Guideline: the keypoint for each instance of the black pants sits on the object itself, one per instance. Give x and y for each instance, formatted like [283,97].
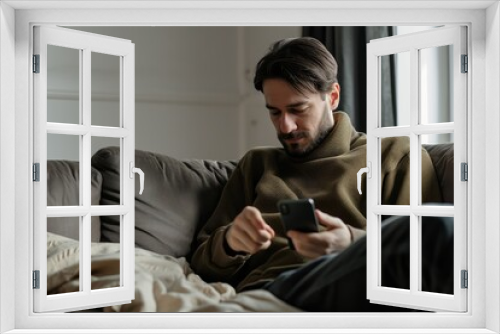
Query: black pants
[337,282]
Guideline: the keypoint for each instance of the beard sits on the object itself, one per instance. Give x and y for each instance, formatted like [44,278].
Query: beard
[295,150]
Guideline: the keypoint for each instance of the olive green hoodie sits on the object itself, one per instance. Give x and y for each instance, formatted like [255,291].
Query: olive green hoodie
[328,175]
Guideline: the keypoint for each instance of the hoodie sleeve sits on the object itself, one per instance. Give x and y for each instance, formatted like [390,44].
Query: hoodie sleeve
[212,259]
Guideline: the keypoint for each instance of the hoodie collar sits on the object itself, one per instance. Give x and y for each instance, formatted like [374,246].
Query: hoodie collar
[337,142]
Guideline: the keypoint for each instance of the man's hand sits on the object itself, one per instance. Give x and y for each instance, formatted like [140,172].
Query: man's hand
[249,232]
[335,238]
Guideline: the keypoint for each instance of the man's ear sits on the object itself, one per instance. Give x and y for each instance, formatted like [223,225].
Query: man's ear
[334,96]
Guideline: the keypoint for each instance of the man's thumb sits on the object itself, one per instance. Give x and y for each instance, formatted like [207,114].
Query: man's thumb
[330,222]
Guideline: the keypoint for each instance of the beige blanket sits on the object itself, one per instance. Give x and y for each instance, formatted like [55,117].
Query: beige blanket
[162,283]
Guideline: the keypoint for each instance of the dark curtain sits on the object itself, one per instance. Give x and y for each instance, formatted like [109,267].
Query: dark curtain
[348,46]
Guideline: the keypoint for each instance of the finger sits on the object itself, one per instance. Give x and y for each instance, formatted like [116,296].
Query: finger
[252,213]
[309,237]
[310,245]
[255,233]
[252,246]
[305,249]
[254,219]
[245,233]
[254,216]
[258,236]
[249,235]
[270,230]
[242,242]
[313,250]
[328,221]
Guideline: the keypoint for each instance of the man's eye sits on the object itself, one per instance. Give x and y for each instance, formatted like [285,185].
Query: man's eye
[274,113]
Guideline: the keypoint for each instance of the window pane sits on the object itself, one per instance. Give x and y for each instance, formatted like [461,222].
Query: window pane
[63,85]
[436,85]
[63,170]
[106,262]
[437,254]
[395,252]
[395,175]
[105,90]
[441,150]
[109,165]
[395,89]
[68,253]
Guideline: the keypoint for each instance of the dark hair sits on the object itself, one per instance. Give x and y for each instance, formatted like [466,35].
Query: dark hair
[303,62]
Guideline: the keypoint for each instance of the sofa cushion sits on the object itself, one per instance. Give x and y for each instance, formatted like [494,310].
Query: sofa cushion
[442,156]
[178,196]
[63,189]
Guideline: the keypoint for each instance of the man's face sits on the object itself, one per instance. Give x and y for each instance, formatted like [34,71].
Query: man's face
[301,120]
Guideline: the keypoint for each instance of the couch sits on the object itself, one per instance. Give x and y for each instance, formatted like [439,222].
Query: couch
[178,197]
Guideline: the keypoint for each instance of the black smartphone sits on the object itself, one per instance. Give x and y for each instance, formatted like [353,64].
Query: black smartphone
[298,215]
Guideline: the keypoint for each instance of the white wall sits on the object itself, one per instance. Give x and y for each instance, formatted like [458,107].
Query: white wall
[257,125]
[194,90]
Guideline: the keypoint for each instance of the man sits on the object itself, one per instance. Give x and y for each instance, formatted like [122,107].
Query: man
[244,242]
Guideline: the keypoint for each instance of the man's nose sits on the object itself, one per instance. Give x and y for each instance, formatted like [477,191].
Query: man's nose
[287,123]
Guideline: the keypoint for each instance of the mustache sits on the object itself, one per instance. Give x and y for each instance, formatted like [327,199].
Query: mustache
[292,135]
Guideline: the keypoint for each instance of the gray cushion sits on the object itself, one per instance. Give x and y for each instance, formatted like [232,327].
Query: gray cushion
[442,156]
[63,189]
[178,196]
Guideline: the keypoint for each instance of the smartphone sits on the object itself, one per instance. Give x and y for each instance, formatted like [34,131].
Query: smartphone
[298,215]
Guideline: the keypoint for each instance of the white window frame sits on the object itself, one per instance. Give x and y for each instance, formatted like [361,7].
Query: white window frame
[413,43]
[85,44]
[483,21]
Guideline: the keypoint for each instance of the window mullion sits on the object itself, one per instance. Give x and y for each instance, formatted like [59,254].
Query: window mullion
[85,253]
[85,114]
[391,210]
[85,156]
[66,211]
[461,189]
[40,155]
[127,114]
[372,192]
[108,210]
[414,171]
